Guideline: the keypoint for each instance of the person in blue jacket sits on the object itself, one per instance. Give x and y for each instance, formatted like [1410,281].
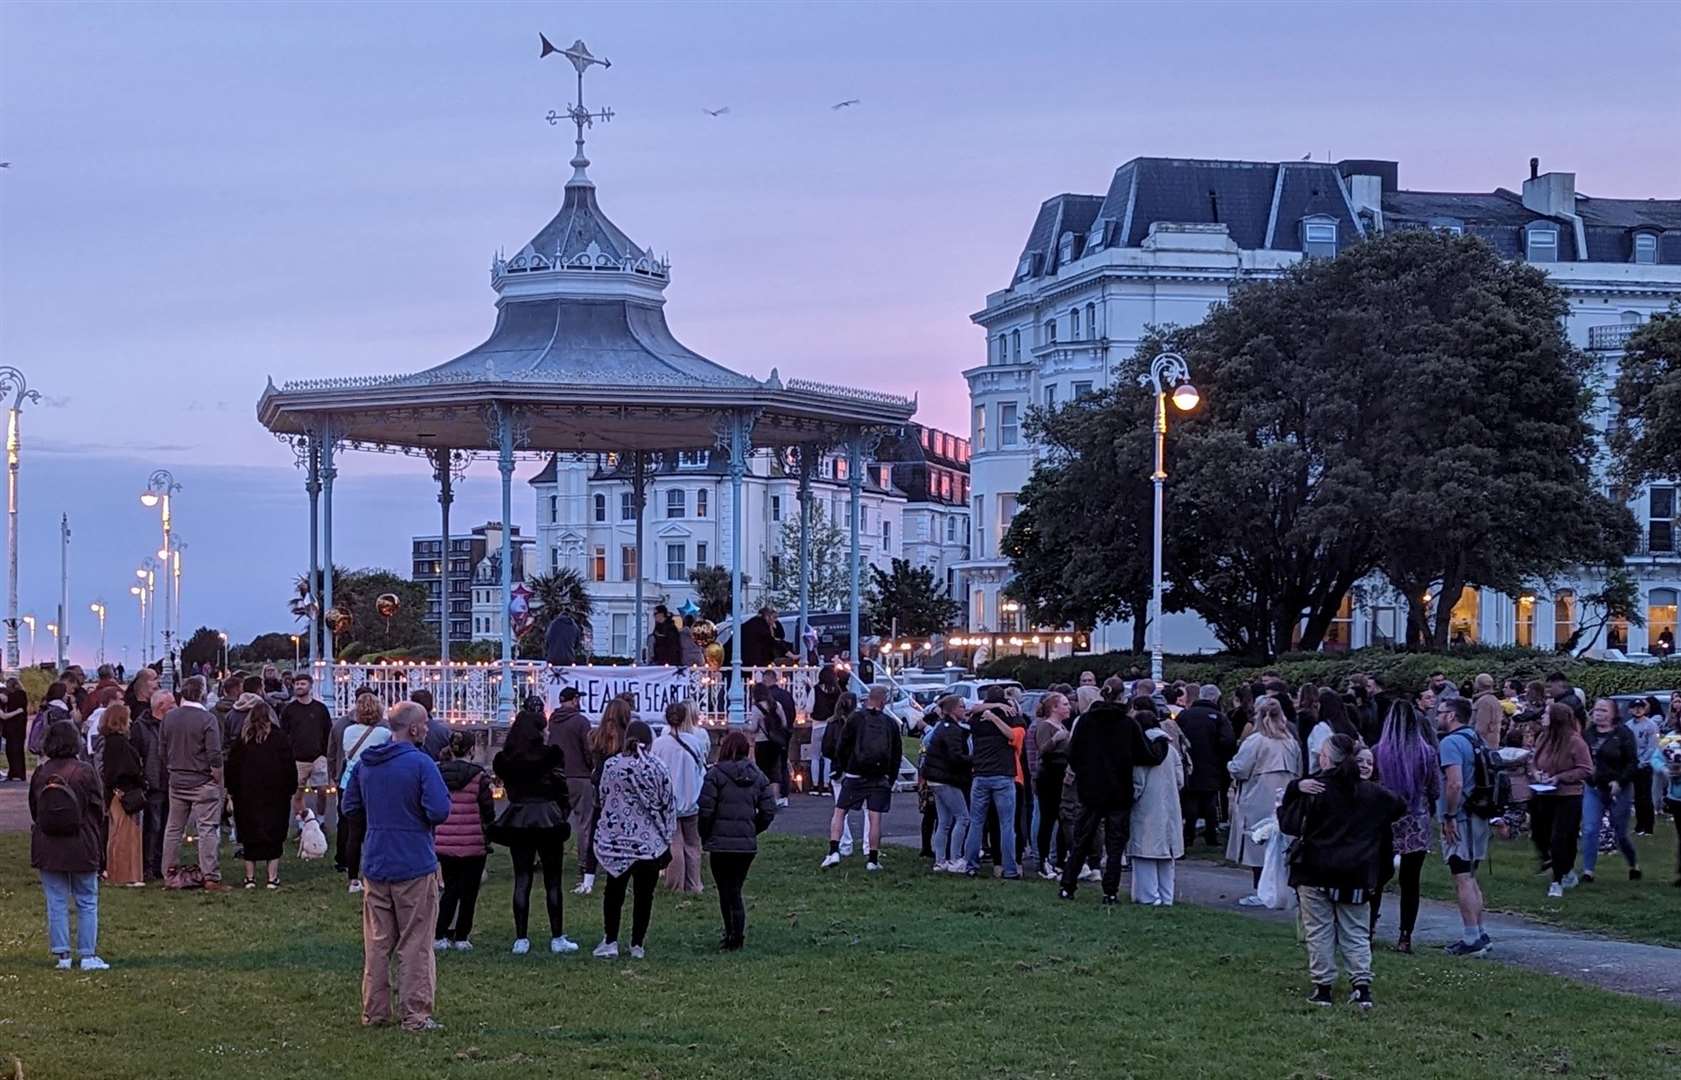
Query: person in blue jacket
[402,795]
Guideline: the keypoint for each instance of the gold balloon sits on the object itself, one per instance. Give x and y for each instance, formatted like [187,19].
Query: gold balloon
[704,632]
[387,604]
[714,656]
[339,620]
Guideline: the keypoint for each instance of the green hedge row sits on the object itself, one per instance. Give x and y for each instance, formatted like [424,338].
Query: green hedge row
[1408,670]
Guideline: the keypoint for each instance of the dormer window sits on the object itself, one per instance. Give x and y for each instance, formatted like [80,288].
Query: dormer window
[1319,237]
[1094,239]
[1066,248]
[1025,267]
[1646,248]
[1541,244]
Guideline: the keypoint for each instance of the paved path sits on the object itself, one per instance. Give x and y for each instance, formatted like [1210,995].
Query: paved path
[1650,971]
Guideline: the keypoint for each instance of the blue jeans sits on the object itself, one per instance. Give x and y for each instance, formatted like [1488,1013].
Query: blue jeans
[59,888]
[985,792]
[1594,805]
[951,829]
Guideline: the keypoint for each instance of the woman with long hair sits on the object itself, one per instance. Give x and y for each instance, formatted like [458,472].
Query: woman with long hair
[1157,833]
[123,774]
[533,825]
[683,748]
[833,729]
[1611,790]
[607,739]
[632,837]
[262,777]
[1333,720]
[462,842]
[1050,740]
[736,805]
[64,844]
[1558,770]
[768,729]
[1264,764]
[365,731]
[1408,768]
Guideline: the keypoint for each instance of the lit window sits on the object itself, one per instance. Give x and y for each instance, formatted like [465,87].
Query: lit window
[676,503]
[1645,248]
[1543,244]
[1525,629]
[1660,622]
[598,564]
[1009,428]
[627,562]
[676,562]
[700,503]
[1564,616]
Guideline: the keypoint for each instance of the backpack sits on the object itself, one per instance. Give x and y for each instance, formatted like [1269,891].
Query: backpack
[832,737]
[38,733]
[1490,789]
[877,749]
[59,808]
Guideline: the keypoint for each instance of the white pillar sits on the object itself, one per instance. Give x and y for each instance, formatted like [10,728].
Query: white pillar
[505,464]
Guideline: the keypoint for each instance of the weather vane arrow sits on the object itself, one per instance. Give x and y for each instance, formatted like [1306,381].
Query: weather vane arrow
[581,117]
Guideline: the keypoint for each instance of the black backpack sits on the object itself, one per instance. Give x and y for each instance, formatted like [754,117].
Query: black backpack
[1488,790]
[58,810]
[876,750]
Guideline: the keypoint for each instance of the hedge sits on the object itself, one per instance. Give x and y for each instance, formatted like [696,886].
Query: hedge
[1406,670]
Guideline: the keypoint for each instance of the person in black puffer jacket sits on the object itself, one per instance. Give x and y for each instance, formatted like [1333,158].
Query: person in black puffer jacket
[736,805]
[1341,820]
[1102,749]
[946,768]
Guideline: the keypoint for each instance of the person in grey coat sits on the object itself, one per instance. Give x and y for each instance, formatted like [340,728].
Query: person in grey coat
[736,805]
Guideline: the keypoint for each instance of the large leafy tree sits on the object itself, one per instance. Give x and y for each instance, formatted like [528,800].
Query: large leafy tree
[358,592]
[712,591]
[908,597]
[831,582]
[562,590]
[1647,398]
[204,646]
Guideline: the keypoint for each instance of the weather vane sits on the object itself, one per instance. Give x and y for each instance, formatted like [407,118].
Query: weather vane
[581,59]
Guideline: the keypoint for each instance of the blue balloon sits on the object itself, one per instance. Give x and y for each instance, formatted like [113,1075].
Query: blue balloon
[689,609]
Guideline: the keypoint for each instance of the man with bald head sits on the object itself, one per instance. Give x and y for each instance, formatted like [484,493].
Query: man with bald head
[402,794]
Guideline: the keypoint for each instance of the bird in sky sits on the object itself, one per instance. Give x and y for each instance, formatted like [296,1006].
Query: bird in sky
[5,164]
[715,112]
[1307,157]
[844,104]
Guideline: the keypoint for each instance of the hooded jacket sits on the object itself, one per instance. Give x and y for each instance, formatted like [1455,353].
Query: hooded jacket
[1339,831]
[403,796]
[947,760]
[471,810]
[1209,734]
[736,805]
[1107,742]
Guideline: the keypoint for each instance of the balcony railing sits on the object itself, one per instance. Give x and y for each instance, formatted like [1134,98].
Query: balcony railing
[1610,338]
[1657,544]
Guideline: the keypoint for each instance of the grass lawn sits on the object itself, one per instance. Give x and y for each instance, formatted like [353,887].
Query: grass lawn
[846,975]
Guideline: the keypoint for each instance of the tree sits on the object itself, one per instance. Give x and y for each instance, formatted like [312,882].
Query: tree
[831,577]
[564,590]
[1617,598]
[910,599]
[358,592]
[264,648]
[712,589]
[1646,437]
[205,646]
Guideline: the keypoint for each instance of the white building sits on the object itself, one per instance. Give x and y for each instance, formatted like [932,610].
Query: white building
[930,468]
[487,612]
[1171,237]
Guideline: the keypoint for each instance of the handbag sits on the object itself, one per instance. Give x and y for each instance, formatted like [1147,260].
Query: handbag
[133,800]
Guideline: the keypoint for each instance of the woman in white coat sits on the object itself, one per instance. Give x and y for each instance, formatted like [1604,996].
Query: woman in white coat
[1264,766]
[1158,824]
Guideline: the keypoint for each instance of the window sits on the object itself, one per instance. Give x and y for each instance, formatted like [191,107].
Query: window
[1003,349]
[1319,237]
[1015,344]
[693,459]
[1341,631]
[621,634]
[1074,325]
[776,508]
[980,517]
[598,564]
[627,562]
[1542,244]
[886,535]
[554,507]
[1091,321]
[1645,248]
[700,503]
[677,562]
[601,508]
[951,528]
[1524,632]
[676,503]
[700,553]
[977,609]
[776,571]
[1081,389]
[1660,520]
[1050,332]
[1616,634]
[1660,622]
[1009,428]
[1564,616]
[627,508]
[980,427]
[1050,396]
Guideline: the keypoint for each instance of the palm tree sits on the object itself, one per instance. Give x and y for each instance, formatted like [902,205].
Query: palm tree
[564,590]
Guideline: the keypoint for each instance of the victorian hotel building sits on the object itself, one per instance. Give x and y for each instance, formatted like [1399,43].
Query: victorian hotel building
[1170,237]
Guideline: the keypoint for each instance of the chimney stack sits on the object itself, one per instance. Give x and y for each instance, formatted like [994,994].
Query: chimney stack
[1534,168]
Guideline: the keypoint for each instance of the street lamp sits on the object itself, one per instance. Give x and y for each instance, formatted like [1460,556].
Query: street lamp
[11,379]
[29,621]
[297,660]
[140,594]
[160,486]
[1169,374]
[98,608]
[148,573]
[223,635]
[52,628]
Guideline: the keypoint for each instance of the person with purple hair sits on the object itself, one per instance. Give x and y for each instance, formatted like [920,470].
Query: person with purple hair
[1407,767]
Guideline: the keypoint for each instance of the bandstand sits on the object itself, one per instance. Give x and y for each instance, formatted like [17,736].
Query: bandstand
[580,361]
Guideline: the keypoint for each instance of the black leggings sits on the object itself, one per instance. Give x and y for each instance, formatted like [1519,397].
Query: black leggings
[644,874]
[551,848]
[1051,832]
[1412,865]
[729,873]
[462,875]
[1645,812]
[1555,823]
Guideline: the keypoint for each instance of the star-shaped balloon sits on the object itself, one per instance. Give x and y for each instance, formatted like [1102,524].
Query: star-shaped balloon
[689,609]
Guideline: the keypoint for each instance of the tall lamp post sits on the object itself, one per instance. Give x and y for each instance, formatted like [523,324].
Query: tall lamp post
[1169,377]
[297,656]
[11,379]
[29,621]
[139,593]
[98,608]
[224,636]
[148,575]
[160,486]
[52,628]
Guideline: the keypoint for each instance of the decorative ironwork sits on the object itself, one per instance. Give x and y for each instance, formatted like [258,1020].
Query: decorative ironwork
[12,381]
[830,390]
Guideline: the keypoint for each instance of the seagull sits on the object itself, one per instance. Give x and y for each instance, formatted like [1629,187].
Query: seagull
[715,112]
[844,104]
[1307,157]
[5,164]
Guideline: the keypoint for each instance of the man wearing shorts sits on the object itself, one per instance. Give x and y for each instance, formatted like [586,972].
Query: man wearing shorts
[1464,834]
[868,761]
[308,727]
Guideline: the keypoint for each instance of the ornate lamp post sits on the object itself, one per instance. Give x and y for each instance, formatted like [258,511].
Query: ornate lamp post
[1169,376]
[98,608]
[29,621]
[160,486]
[148,573]
[140,594]
[11,379]
[52,628]
[297,657]
[224,636]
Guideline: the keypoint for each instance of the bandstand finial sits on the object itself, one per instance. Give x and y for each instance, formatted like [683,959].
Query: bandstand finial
[580,116]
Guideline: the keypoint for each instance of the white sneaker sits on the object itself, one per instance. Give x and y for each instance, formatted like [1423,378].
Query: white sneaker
[872,867]
[441,945]
[782,802]
[1570,880]
[1555,891]
[355,887]
[1049,873]
[637,952]
[63,963]
[586,886]
[831,859]
[562,944]
[940,868]
[522,946]
[464,946]
[607,950]
[1091,874]
[94,963]
[1251,901]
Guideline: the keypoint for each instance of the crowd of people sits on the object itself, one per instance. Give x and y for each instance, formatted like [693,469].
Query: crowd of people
[1361,782]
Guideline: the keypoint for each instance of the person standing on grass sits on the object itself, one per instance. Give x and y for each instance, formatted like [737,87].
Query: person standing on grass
[14,727]
[947,769]
[1643,725]
[1561,760]
[1672,802]
[1157,829]
[632,837]
[1611,792]
[65,805]
[308,727]
[993,787]
[1264,765]
[846,703]
[533,825]
[366,729]
[402,794]
[462,843]
[437,731]
[1209,736]
[607,740]
[1107,743]
[778,684]
[766,725]
[870,751]
[122,773]
[736,805]
[683,748]
[1341,821]
[1464,834]
[1487,715]
[192,753]
[261,780]
[1050,741]
[569,729]
[1407,767]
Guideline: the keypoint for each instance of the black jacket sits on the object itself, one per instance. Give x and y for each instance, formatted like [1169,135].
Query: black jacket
[823,703]
[947,760]
[536,775]
[1106,744]
[1616,756]
[758,644]
[146,733]
[846,760]
[668,643]
[1212,745]
[993,754]
[1340,831]
[736,805]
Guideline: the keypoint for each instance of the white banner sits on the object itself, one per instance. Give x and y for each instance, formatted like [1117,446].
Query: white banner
[652,688]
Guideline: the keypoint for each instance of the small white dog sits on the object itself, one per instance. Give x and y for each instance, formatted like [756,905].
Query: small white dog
[312,842]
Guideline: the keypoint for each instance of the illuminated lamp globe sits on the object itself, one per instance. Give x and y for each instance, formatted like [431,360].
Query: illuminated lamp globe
[149,498]
[1185,397]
